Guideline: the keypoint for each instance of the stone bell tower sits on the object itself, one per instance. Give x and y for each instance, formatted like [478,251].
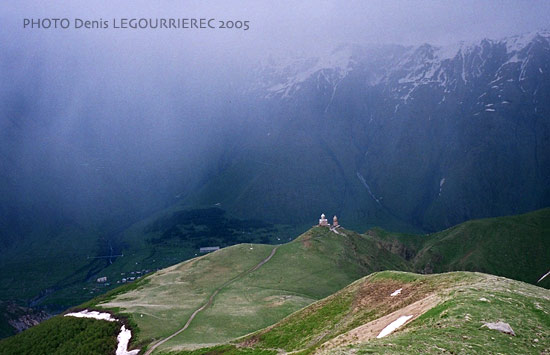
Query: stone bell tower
[323,221]
[335,222]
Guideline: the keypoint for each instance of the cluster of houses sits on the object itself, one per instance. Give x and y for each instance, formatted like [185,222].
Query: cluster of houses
[132,276]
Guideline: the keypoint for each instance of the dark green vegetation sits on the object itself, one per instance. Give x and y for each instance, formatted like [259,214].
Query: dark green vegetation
[64,335]
[209,227]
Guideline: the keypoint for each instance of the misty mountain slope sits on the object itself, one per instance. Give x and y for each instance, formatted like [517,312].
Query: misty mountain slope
[439,135]
[286,174]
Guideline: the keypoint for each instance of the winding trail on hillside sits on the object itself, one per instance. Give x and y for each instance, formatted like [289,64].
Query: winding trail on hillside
[210,300]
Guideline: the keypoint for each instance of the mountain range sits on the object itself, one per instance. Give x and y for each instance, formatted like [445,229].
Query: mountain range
[407,138]
[412,139]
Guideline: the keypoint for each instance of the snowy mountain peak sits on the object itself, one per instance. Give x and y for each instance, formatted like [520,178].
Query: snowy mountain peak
[285,76]
[448,65]
[519,42]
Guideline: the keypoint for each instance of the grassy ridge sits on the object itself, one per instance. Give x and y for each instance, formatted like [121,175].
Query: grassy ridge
[515,247]
[453,322]
[456,325]
[173,294]
[313,266]
[361,302]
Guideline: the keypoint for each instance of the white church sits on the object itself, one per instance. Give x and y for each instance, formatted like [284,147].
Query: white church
[323,222]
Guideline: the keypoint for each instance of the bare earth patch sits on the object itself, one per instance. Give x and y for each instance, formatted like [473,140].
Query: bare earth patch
[372,329]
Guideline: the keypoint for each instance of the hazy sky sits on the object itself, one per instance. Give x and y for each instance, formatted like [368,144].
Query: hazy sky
[285,25]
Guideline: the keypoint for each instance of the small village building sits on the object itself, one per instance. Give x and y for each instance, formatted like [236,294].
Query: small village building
[102,279]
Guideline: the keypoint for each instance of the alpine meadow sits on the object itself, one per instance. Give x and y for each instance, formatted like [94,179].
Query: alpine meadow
[322,177]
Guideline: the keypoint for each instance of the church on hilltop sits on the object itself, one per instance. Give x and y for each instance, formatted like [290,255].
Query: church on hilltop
[323,222]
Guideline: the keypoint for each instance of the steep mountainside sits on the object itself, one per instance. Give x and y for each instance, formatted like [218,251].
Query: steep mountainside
[418,137]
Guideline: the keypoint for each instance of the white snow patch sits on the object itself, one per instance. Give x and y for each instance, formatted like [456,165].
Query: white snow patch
[338,63]
[519,42]
[543,276]
[396,292]
[364,182]
[92,314]
[123,340]
[123,337]
[441,183]
[393,326]
[490,110]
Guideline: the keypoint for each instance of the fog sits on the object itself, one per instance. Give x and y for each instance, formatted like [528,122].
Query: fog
[112,123]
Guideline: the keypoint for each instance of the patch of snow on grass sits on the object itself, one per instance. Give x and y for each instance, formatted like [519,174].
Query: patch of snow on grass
[123,340]
[393,326]
[396,292]
[123,337]
[92,314]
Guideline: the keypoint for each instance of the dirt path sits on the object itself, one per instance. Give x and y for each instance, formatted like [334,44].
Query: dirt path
[210,300]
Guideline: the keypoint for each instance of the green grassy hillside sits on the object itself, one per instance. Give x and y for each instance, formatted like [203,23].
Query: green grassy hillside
[516,247]
[248,287]
[62,272]
[448,312]
[313,266]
